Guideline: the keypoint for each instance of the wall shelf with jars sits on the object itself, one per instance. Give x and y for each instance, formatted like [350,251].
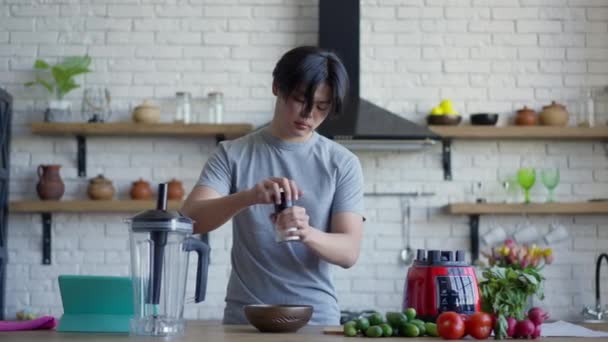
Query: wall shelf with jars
[82,130]
[448,133]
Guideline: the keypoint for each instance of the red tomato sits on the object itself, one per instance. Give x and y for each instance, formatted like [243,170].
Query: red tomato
[480,325]
[450,326]
[465,318]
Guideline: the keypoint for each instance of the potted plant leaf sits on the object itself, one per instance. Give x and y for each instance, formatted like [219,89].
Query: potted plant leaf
[60,83]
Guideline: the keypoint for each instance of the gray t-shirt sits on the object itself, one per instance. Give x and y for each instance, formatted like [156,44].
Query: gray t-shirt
[267,272]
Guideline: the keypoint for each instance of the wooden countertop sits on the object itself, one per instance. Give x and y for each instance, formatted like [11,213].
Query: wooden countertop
[198,331]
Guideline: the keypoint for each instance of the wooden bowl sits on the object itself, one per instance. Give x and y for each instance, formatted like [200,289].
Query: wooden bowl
[278,318]
[445,120]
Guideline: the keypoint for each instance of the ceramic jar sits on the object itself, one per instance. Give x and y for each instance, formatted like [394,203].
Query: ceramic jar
[141,190]
[554,114]
[50,185]
[100,188]
[146,112]
[526,117]
[175,190]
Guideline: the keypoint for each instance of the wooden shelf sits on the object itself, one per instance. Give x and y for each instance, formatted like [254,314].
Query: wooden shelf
[139,129]
[521,132]
[79,206]
[572,208]
[82,130]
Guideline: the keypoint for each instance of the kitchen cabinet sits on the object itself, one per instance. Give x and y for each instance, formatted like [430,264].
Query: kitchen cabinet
[82,130]
[474,210]
[448,133]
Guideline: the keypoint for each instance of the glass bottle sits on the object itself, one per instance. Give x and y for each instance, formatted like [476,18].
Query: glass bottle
[600,106]
[586,112]
[215,102]
[182,108]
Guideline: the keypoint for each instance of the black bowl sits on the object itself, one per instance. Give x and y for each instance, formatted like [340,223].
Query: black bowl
[486,119]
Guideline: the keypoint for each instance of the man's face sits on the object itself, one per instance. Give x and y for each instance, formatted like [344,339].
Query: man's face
[293,121]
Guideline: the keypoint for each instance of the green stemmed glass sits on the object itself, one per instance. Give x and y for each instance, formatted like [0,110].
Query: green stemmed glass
[526,176]
[550,179]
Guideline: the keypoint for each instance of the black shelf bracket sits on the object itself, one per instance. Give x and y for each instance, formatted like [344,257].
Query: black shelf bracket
[474,231]
[219,138]
[47,221]
[446,158]
[82,155]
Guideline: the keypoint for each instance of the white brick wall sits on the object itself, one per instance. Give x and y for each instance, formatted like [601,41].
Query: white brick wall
[486,55]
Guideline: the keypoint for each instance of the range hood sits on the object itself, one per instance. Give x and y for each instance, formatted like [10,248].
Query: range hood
[363,125]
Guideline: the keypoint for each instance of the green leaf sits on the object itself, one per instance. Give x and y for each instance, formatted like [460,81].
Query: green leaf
[81,62]
[40,64]
[76,71]
[45,84]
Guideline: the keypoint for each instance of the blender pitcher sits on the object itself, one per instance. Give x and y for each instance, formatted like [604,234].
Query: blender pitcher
[160,246]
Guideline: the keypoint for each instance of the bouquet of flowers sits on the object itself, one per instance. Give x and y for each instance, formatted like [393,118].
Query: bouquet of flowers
[512,278]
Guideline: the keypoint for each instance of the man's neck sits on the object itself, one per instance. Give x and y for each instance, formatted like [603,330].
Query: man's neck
[276,132]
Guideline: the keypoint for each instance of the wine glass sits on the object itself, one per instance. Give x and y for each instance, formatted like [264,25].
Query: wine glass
[526,176]
[511,188]
[550,179]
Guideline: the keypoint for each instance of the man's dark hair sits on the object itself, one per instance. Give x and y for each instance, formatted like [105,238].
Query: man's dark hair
[307,67]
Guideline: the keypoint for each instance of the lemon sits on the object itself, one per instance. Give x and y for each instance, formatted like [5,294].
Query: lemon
[437,111]
[448,107]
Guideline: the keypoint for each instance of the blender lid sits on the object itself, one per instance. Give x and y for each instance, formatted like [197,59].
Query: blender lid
[161,220]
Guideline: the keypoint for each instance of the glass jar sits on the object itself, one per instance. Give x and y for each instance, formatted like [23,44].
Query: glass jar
[215,103]
[585,115]
[600,106]
[182,108]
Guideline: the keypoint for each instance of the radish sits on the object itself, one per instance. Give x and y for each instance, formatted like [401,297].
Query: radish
[536,332]
[538,315]
[511,322]
[524,329]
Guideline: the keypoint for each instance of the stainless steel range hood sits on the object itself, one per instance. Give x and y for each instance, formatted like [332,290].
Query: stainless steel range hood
[363,125]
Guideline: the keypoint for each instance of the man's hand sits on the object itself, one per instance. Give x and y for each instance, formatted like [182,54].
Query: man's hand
[294,217]
[268,191]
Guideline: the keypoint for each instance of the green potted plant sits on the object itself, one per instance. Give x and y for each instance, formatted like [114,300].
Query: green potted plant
[60,83]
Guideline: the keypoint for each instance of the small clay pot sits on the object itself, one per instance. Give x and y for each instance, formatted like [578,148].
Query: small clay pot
[554,114]
[141,190]
[175,190]
[526,117]
[50,186]
[100,188]
[146,112]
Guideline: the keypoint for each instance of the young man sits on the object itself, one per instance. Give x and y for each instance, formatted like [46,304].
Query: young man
[245,177]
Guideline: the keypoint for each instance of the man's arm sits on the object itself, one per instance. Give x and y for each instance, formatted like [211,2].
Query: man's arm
[210,210]
[340,247]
